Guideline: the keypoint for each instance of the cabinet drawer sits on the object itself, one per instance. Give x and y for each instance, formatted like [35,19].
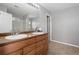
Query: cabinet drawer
[19,52]
[32,52]
[36,51]
[39,38]
[42,37]
[27,49]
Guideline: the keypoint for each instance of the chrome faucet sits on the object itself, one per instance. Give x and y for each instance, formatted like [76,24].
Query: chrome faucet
[36,29]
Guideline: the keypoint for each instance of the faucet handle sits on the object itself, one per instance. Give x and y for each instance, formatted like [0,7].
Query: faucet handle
[16,33]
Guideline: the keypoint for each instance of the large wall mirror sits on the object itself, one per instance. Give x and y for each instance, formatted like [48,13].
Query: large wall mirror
[17,17]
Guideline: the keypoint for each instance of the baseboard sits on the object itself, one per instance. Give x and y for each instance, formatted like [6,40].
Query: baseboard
[66,43]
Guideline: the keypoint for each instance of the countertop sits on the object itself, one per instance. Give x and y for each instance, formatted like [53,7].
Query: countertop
[4,41]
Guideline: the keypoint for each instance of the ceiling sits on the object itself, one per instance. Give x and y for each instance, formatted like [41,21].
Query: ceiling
[53,7]
[23,9]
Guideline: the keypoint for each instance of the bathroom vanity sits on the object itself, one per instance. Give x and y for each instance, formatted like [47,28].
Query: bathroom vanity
[33,44]
[14,23]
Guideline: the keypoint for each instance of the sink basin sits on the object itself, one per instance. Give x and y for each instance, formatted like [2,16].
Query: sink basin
[14,37]
[37,33]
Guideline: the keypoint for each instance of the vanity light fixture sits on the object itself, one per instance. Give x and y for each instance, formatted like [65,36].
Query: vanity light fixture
[16,6]
[29,23]
[34,5]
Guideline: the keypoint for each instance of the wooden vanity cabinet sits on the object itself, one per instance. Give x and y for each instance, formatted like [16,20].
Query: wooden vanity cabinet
[37,45]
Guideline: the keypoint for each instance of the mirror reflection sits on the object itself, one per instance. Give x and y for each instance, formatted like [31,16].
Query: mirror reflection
[21,17]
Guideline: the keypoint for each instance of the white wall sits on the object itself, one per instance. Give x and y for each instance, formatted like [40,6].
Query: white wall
[5,22]
[66,25]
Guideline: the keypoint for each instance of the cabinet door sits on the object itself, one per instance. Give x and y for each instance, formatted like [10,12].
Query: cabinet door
[45,47]
[39,47]
[19,52]
[39,50]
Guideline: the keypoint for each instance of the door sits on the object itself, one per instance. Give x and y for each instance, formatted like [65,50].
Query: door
[48,27]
